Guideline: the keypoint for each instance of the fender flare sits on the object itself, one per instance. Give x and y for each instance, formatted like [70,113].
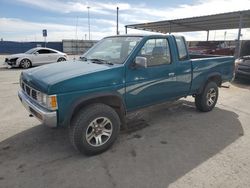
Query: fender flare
[208,77]
[82,100]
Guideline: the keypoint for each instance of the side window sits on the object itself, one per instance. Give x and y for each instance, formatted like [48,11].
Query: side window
[181,46]
[52,52]
[43,51]
[156,51]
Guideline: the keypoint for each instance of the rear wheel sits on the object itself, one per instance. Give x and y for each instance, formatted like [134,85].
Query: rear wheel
[61,59]
[94,129]
[25,63]
[208,98]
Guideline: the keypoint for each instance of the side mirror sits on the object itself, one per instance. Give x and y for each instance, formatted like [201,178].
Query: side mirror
[36,53]
[141,62]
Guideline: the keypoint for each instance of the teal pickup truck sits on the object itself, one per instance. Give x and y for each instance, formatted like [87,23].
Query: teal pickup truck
[118,75]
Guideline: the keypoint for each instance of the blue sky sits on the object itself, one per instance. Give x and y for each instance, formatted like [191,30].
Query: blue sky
[23,20]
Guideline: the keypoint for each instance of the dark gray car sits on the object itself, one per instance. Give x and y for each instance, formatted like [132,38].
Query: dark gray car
[242,68]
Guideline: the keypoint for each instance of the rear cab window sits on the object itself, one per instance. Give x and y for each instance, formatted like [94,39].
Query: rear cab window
[181,48]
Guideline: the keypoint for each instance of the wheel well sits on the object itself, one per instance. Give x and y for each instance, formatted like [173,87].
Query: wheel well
[217,79]
[61,58]
[113,101]
[24,59]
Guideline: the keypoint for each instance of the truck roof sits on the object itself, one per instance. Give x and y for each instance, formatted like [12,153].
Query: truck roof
[138,35]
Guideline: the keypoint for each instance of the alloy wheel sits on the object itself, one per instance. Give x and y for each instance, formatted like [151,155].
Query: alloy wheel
[211,96]
[99,131]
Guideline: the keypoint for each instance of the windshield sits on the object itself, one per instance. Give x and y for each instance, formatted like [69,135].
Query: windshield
[31,51]
[114,50]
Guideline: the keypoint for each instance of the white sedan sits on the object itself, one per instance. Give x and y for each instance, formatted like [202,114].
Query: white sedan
[35,56]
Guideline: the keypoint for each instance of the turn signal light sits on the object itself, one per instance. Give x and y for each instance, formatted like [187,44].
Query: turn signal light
[53,102]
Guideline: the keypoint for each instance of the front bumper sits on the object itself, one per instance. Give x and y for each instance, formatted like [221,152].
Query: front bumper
[12,62]
[48,118]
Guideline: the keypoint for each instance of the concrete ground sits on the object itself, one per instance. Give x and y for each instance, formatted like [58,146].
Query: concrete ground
[171,145]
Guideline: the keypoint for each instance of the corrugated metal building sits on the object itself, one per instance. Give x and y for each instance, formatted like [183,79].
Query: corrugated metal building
[77,46]
[11,47]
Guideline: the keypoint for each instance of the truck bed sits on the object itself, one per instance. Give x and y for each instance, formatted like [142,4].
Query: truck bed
[204,66]
[201,56]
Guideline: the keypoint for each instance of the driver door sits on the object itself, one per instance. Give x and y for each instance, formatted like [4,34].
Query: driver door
[42,56]
[145,86]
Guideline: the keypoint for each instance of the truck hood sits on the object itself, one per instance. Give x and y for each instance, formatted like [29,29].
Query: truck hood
[72,76]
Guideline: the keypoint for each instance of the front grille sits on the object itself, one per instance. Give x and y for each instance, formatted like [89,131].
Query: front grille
[29,90]
[34,94]
[23,87]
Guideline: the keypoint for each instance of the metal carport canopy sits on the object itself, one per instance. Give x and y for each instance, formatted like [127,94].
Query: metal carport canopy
[229,20]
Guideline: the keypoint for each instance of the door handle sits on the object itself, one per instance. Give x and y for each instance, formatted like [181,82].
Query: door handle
[171,74]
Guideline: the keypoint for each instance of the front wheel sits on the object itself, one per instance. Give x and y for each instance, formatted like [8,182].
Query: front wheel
[25,64]
[94,129]
[208,98]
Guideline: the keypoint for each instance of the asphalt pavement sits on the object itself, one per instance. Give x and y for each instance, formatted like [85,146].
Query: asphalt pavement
[168,145]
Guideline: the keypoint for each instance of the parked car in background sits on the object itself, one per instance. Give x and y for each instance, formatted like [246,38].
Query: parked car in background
[35,56]
[242,67]
[212,47]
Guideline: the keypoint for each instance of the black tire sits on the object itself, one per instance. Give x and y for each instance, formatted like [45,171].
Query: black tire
[206,101]
[25,63]
[83,125]
[61,59]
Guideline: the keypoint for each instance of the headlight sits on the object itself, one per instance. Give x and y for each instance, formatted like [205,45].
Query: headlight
[13,59]
[47,101]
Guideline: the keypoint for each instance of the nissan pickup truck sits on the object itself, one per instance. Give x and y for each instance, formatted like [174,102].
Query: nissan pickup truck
[120,74]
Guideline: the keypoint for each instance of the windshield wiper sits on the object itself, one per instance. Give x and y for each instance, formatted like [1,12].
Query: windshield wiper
[100,61]
[96,60]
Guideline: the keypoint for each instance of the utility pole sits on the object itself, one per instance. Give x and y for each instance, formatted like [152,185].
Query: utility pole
[225,35]
[88,21]
[76,37]
[237,49]
[76,32]
[117,20]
